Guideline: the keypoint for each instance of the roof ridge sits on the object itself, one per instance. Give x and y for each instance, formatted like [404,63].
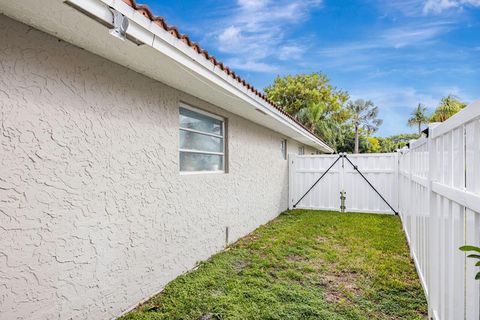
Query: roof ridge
[160,21]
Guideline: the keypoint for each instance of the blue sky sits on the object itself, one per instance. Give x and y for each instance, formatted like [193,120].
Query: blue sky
[395,52]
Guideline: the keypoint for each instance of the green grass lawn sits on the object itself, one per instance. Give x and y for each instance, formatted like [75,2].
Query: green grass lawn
[302,265]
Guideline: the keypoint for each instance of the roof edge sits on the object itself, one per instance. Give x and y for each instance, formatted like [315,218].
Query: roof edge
[173,31]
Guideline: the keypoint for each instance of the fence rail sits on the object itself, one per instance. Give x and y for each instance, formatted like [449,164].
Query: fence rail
[439,204]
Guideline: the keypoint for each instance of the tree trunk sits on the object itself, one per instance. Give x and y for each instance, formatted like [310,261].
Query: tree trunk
[356,140]
[419,128]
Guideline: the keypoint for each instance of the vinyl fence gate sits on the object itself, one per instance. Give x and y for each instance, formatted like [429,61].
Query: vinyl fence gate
[340,179]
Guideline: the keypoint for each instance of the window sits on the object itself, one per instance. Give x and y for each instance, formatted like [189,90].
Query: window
[202,141]
[284,149]
[301,150]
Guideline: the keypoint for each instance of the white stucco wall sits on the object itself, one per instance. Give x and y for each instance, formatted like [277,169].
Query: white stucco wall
[94,215]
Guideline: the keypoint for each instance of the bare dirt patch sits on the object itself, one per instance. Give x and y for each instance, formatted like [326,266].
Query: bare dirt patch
[240,265]
[339,285]
[209,317]
[321,239]
[296,258]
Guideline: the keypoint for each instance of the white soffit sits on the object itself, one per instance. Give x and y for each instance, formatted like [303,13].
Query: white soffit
[161,56]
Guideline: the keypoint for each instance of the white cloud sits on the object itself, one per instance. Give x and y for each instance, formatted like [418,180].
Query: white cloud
[257,30]
[437,6]
[250,65]
[378,47]
[409,8]
[395,97]
[290,52]
[387,97]
[417,8]
[252,4]
[413,35]
[230,35]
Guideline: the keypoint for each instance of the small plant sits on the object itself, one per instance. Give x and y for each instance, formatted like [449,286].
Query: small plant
[474,256]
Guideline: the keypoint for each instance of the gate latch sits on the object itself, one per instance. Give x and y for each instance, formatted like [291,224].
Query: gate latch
[342,201]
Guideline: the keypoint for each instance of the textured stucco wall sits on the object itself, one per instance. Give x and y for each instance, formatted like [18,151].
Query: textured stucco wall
[94,216]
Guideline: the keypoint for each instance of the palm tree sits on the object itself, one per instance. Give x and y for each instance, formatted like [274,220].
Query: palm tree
[323,121]
[448,107]
[418,117]
[364,117]
[311,115]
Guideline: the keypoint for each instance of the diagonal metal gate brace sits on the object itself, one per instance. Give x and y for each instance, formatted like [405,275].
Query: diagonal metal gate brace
[339,157]
[371,185]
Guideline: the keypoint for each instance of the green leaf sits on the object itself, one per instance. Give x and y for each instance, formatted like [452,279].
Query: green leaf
[470,248]
[477,256]
[477,264]
[477,277]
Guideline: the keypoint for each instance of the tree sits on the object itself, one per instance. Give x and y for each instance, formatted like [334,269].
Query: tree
[323,122]
[418,117]
[373,145]
[346,141]
[364,117]
[312,114]
[293,93]
[392,143]
[387,145]
[448,107]
[312,100]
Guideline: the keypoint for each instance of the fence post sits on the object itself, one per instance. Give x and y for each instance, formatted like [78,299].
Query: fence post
[432,263]
[397,181]
[471,162]
[412,208]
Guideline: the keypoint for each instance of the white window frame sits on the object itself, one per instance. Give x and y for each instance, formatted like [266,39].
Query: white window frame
[223,137]
[301,150]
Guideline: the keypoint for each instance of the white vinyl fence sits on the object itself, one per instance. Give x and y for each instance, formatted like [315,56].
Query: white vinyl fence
[379,169]
[439,204]
[435,184]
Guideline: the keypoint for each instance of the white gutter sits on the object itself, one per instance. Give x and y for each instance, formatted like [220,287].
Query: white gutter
[144,31]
